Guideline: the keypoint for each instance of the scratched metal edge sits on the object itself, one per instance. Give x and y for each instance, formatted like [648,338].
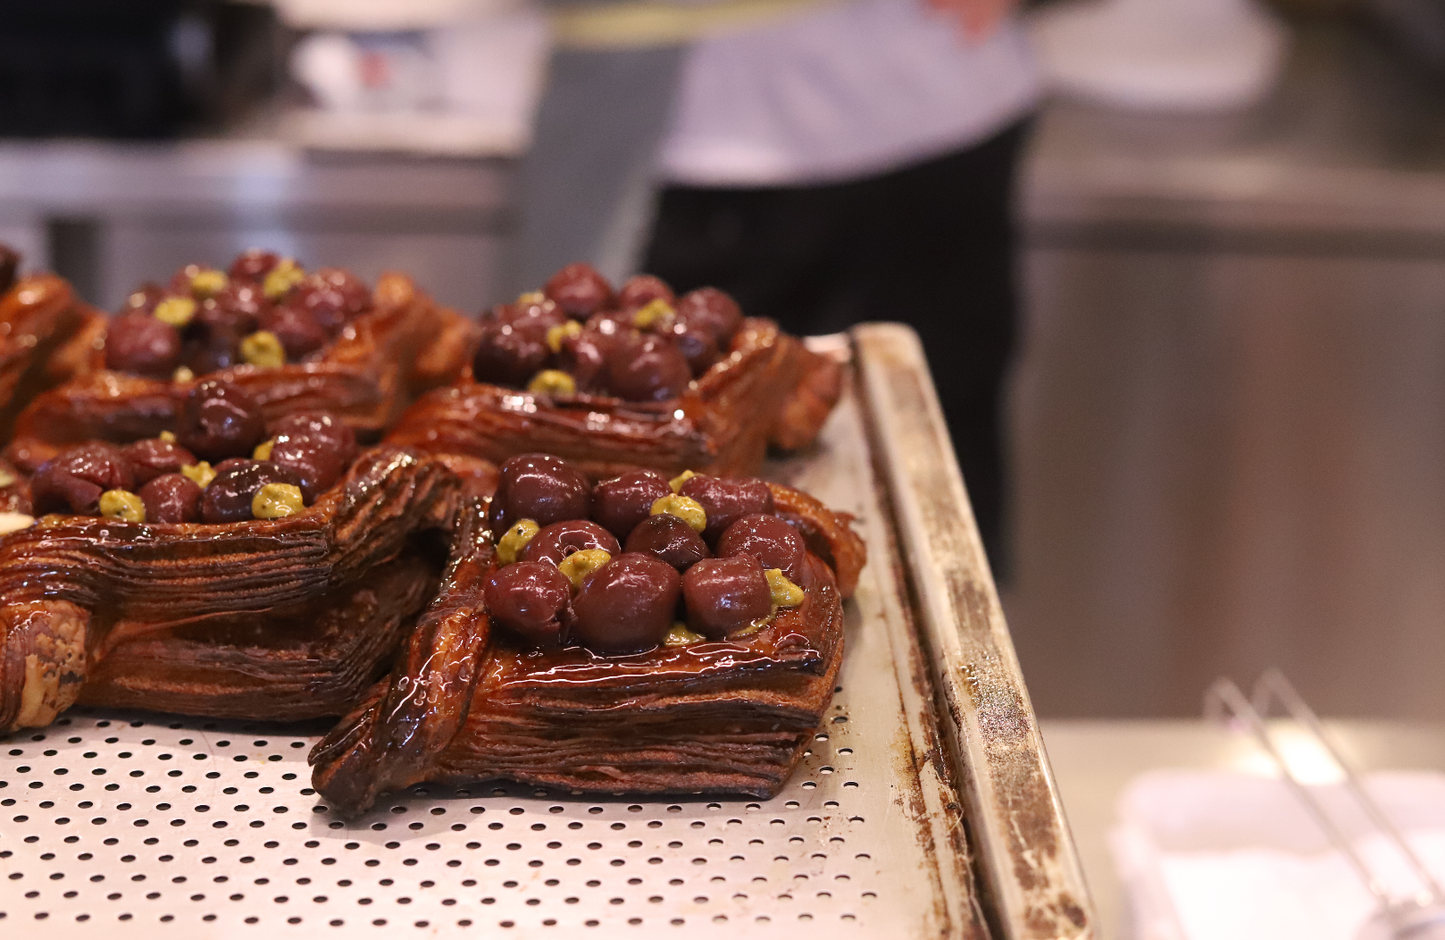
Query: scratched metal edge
[1033,885]
[934,799]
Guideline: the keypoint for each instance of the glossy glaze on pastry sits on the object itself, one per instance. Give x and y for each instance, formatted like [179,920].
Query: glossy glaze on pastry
[634,377]
[294,340]
[274,586]
[685,682]
[47,336]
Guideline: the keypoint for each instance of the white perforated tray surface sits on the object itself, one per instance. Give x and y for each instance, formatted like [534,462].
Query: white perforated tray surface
[119,825]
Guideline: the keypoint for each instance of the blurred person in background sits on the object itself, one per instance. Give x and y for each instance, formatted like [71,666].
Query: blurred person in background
[824,161]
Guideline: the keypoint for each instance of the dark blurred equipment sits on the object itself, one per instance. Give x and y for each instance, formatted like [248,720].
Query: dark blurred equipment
[140,68]
[9,264]
[930,244]
[1417,28]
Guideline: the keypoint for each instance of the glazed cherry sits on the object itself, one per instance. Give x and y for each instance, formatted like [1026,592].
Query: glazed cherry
[667,538]
[767,538]
[621,503]
[555,542]
[641,290]
[511,353]
[539,487]
[726,501]
[144,298]
[627,605]
[151,458]
[531,599]
[725,595]
[73,480]
[228,497]
[235,310]
[333,297]
[544,315]
[254,264]
[578,290]
[644,367]
[219,420]
[320,425]
[713,310]
[138,342]
[180,283]
[243,301]
[213,339]
[584,358]
[607,325]
[696,344]
[295,327]
[171,497]
[316,463]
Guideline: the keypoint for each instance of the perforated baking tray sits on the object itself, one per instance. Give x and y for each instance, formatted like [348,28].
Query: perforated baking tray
[923,808]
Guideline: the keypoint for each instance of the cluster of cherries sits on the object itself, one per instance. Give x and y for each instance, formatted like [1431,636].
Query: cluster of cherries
[637,561]
[288,463]
[265,311]
[577,335]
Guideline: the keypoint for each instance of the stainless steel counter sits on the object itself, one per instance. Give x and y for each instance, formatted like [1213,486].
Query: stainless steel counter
[1228,442]
[112,214]
[1349,144]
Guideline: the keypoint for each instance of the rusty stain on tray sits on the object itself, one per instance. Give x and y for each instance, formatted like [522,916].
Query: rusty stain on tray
[925,723]
[1012,791]
[935,757]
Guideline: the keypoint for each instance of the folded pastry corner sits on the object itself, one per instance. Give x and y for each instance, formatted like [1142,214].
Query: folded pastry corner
[807,406]
[408,718]
[46,337]
[268,618]
[483,690]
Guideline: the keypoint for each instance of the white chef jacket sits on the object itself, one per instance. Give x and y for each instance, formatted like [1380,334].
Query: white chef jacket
[849,89]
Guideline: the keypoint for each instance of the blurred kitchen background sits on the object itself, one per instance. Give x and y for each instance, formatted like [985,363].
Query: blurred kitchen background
[1229,439]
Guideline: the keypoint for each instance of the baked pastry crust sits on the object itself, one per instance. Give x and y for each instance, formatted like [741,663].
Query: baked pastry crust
[466,702]
[382,360]
[766,388]
[268,619]
[47,336]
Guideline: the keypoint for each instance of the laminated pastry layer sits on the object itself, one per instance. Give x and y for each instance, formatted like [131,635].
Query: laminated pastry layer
[467,701]
[134,581]
[767,389]
[405,345]
[713,717]
[286,666]
[46,336]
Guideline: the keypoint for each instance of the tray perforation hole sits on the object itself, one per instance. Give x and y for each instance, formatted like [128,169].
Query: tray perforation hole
[652,854]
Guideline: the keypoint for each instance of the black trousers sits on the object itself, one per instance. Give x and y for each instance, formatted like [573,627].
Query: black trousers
[931,245]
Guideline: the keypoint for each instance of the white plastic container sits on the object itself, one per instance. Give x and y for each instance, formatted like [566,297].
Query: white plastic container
[1215,855]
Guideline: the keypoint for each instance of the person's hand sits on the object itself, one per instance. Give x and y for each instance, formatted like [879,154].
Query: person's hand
[977,18]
